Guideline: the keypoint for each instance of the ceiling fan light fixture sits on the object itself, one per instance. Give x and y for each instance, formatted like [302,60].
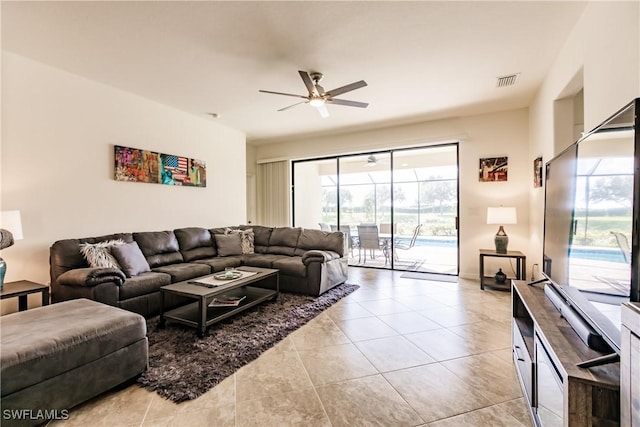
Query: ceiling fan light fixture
[316,102]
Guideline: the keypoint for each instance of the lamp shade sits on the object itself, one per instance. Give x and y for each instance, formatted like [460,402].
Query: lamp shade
[10,220]
[501,215]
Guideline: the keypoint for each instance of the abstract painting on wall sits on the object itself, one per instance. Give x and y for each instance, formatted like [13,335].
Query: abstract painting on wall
[135,165]
[493,169]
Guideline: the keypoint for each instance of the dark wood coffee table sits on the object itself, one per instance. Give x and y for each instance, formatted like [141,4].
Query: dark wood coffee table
[200,316]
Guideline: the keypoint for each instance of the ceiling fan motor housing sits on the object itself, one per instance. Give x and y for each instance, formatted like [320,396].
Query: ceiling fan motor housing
[316,77]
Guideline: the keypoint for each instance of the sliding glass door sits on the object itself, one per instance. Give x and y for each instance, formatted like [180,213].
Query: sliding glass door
[365,191]
[425,209]
[398,208]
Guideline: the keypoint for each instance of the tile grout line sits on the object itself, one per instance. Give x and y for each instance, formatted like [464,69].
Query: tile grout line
[144,417]
[235,406]
[295,347]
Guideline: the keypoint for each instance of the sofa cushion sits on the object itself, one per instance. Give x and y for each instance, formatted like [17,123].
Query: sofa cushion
[261,260]
[319,256]
[322,240]
[220,263]
[283,241]
[143,284]
[291,266]
[184,271]
[65,254]
[98,255]
[159,247]
[228,244]
[195,243]
[131,259]
[221,230]
[261,237]
[92,276]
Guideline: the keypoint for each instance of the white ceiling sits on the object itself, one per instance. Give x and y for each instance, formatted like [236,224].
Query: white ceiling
[421,60]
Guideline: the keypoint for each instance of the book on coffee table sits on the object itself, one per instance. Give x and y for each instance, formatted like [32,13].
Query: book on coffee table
[227,301]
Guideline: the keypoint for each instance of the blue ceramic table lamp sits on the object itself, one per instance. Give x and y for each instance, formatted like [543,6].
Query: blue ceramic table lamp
[501,216]
[10,231]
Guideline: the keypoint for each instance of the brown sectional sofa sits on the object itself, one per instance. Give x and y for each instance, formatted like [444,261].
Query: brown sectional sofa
[309,261]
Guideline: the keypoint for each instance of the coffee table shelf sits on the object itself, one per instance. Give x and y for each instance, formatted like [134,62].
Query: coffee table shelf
[265,285]
[190,314]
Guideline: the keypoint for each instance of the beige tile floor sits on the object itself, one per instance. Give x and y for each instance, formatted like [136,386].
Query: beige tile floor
[397,352]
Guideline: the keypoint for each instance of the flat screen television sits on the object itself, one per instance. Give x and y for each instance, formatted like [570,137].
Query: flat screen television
[592,202]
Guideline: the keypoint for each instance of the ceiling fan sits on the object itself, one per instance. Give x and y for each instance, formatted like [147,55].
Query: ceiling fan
[318,97]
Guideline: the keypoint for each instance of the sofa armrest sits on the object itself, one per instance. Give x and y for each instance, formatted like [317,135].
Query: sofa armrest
[91,277]
[316,255]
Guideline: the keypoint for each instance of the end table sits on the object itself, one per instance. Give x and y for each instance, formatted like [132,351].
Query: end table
[521,268]
[22,289]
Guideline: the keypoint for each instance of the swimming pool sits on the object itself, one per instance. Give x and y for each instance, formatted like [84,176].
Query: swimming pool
[597,254]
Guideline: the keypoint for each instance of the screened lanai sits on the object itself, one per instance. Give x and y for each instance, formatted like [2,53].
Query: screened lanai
[398,208]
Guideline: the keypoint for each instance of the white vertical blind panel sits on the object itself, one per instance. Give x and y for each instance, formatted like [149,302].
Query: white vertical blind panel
[273,194]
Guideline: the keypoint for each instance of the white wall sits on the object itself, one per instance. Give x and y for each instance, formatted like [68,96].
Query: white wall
[604,48]
[58,132]
[487,135]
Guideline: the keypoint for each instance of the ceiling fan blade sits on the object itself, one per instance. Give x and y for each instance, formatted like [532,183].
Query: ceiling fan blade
[292,105]
[308,83]
[347,88]
[348,103]
[323,111]
[281,93]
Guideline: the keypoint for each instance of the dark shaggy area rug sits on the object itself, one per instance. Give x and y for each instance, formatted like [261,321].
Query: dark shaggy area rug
[183,366]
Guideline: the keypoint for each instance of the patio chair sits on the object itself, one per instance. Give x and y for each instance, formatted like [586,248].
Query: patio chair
[369,240]
[348,238]
[406,246]
[324,226]
[623,244]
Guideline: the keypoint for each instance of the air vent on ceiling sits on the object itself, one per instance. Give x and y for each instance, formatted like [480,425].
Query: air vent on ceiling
[508,80]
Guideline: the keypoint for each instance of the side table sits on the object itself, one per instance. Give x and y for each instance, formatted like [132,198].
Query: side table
[22,289]
[521,268]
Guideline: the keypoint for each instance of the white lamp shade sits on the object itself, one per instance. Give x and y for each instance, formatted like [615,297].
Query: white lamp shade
[501,216]
[10,220]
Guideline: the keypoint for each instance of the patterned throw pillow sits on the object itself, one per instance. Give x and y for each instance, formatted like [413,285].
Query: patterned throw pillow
[247,238]
[99,254]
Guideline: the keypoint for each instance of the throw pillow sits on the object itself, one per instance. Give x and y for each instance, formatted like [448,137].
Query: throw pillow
[131,259]
[99,254]
[229,244]
[247,238]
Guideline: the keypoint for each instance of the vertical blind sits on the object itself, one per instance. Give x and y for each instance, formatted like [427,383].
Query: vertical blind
[273,194]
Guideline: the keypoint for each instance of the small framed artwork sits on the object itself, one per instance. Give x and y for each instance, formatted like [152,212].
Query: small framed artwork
[537,172]
[493,169]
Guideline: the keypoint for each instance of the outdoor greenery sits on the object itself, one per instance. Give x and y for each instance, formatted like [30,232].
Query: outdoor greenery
[597,230]
[604,206]
[431,203]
